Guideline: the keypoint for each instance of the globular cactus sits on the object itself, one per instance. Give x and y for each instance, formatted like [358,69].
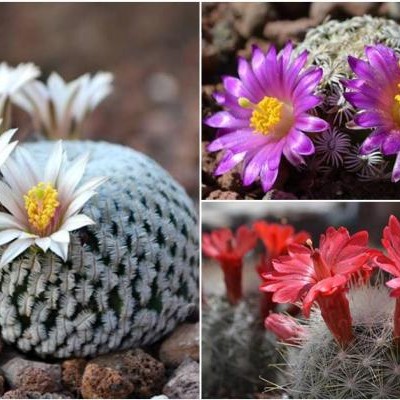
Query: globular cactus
[129,279]
[369,367]
[329,46]
[236,349]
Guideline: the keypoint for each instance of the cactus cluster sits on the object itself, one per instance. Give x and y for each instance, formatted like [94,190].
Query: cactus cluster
[236,349]
[329,46]
[318,367]
[129,279]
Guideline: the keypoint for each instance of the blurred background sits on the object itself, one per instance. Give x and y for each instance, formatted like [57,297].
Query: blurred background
[314,217]
[153,51]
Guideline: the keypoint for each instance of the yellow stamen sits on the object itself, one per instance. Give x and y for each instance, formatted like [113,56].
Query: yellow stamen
[245,103]
[266,114]
[396,107]
[41,203]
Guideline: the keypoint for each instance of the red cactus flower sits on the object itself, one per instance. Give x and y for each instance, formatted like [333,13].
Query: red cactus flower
[285,328]
[321,276]
[391,264]
[229,249]
[276,239]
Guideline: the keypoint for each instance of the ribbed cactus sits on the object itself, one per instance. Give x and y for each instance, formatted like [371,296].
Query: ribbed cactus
[129,279]
[237,350]
[368,368]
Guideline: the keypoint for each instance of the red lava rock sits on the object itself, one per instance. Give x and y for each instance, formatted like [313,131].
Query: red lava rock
[28,375]
[36,379]
[183,343]
[121,374]
[72,373]
[23,394]
[184,383]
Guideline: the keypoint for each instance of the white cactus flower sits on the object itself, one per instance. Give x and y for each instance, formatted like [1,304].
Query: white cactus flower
[12,80]
[43,206]
[58,107]
[6,148]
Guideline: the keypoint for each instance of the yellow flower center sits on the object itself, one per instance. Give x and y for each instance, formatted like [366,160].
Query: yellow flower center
[267,114]
[41,203]
[396,107]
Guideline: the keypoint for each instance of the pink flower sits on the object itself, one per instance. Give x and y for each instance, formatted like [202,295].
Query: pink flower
[321,275]
[285,328]
[229,249]
[267,114]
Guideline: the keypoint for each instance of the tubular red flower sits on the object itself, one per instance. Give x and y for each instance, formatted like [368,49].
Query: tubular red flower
[391,264]
[321,276]
[229,249]
[276,239]
[285,328]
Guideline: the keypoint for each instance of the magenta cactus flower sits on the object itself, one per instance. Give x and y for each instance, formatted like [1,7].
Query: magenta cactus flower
[375,93]
[266,115]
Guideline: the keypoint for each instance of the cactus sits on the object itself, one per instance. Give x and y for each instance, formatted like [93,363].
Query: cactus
[236,349]
[129,279]
[329,46]
[368,368]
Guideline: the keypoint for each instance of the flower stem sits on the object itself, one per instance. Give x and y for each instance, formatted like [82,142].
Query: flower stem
[335,311]
[233,280]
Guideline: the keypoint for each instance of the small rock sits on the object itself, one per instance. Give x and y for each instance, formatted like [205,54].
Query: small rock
[184,383]
[34,376]
[183,343]
[121,374]
[161,396]
[72,373]
[23,394]
[275,194]
[223,195]
[281,31]
[252,16]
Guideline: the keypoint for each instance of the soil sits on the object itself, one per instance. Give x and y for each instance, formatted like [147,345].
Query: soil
[228,31]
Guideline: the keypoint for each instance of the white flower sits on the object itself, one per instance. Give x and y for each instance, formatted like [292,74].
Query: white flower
[6,147]
[59,108]
[43,206]
[12,80]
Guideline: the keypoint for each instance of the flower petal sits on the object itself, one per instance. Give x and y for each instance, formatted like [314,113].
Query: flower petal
[14,250]
[61,249]
[76,222]
[54,164]
[310,123]
[43,243]
[61,236]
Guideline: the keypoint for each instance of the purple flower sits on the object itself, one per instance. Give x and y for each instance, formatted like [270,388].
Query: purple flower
[376,94]
[266,114]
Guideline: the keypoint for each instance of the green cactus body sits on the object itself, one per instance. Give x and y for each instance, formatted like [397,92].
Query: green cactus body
[368,368]
[129,279]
